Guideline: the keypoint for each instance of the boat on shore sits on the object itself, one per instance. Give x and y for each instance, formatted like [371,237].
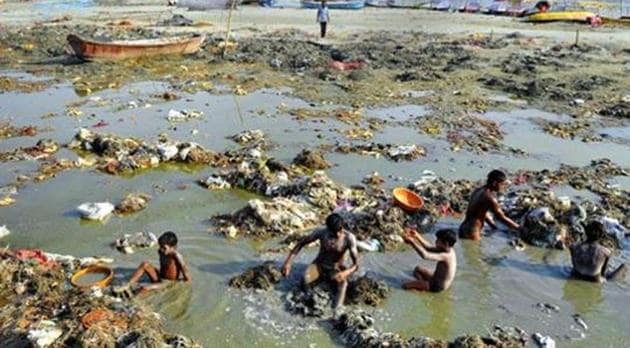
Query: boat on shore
[377,3]
[441,5]
[336,4]
[116,50]
[280,3]
[407,3]
[561,16]
[203,5]
[472,6]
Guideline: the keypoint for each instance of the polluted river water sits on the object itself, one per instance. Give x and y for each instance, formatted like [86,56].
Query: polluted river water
[495,284]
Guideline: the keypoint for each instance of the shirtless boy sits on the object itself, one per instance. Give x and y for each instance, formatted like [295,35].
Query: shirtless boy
[329,266]
[442,278]
[590,259]
[172,265]
[483,201]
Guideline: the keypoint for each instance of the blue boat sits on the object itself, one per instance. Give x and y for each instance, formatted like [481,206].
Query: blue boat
[280,3]
[336,4]
[376,3]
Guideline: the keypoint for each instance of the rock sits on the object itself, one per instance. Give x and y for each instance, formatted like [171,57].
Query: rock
[95,211]
[133,203]
[259,277]
[311,159]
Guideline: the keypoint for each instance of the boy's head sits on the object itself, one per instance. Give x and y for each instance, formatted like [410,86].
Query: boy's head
[323,2]
[497,180]
[595,231]
[167,242]
[446,238]
[335,223]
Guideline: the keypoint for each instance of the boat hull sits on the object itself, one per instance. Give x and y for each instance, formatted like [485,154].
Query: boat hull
[564,16]
[90,50]
[336,5]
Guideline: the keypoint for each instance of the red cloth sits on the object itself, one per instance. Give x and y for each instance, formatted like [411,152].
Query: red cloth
[33,254]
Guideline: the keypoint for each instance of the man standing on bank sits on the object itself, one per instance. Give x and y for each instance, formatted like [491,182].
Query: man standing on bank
[323,17]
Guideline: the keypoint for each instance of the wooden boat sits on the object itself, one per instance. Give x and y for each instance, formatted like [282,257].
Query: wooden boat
[86,49]
[407,3]
[336,4]
[376,3]
[471,6]
[564,16]
[203,5]
[622,22]
[441,5]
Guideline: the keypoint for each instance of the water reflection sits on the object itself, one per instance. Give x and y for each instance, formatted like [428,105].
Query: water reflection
[584,296]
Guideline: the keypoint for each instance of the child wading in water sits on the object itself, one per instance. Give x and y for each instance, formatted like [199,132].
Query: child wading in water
[172,265]
[442,252]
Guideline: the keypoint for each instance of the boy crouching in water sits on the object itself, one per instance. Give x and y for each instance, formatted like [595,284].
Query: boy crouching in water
[172,265]
[442,252]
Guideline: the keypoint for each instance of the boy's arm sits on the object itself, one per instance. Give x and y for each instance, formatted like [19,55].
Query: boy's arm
[498,213]
[183,267]
[286,267]
[420,238]
[425,254]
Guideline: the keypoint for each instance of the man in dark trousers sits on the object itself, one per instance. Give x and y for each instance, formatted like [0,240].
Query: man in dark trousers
[323,17]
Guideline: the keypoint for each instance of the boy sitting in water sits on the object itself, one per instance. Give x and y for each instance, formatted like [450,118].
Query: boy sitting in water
[442,252]
[172,265]
[590,259]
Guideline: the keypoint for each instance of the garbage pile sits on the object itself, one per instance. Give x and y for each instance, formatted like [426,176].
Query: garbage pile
[129,243]
[123,155]
[392,152]
[42,311]
[249,136]
[316,301]
[356,329]
[42,150]
[261,277]
[9,131]
[311,159]
[134,202]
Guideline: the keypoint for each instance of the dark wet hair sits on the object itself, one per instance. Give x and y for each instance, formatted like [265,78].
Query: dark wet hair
[448,236]
[496,176]
[595,231]
[168,238]
[335,222]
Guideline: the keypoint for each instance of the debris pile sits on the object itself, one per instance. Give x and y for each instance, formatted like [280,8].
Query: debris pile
[262,277]
[134,202]
[44,149]
[390,151]
[129,243]
[183,115]
[122,155]
[44,311]
[9,131]
[311,159]
[357,329]
[249,136]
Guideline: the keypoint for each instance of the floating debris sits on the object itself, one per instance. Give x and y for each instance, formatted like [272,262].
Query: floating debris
[249,136]
[183,115]
[95,211]
[129,243]
[390,151]
[134,202]
[4,231]
[261,277]
[311,159]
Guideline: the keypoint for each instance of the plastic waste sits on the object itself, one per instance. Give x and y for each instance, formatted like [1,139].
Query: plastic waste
[616,229]
[141,240]
[182,116]
[215,182]
[95,211]
[167,151]
[370,245]
[4,231]
[427,177]
[544,341]
[45,334]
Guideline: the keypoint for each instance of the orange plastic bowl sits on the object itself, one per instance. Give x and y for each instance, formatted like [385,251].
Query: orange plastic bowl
[106,276]
[408,200]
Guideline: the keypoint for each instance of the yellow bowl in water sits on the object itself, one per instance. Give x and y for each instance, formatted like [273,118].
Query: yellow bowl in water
[107,272]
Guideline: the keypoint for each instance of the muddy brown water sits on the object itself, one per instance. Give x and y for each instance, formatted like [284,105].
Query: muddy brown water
[495,284]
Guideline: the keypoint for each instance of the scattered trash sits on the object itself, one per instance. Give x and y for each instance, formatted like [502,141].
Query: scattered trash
[44,334]
[544,341]
[215,182]
[95,211]
[183,115]
[392,152]
[311,159]
[371,245]
[129,243]
[249,136]
[4,231]
[578,320]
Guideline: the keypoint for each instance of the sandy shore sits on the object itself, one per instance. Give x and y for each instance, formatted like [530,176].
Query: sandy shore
[254,19]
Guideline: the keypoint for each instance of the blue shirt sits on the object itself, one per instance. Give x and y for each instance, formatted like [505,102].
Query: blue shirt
[322,14]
